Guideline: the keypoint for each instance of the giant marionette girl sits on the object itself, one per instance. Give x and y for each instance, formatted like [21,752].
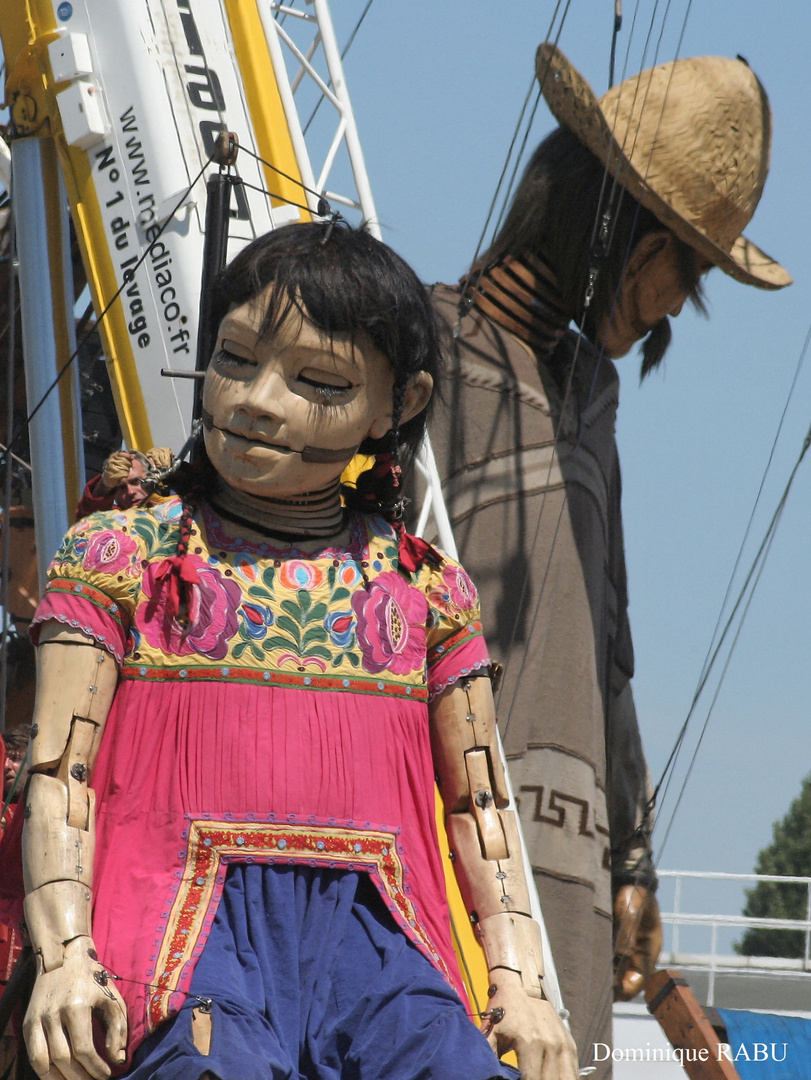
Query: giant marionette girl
[244,696]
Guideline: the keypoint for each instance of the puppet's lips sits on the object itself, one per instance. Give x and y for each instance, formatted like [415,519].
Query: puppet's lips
[252,440]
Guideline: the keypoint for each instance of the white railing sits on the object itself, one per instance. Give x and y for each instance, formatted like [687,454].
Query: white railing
[715,961]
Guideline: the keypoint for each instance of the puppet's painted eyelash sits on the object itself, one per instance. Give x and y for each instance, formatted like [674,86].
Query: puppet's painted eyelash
[228,359]
[328,391]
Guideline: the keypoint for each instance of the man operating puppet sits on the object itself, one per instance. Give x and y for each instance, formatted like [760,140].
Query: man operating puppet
[620,212]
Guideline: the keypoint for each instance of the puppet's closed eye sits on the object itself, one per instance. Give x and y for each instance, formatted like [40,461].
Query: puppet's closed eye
[224,358]
[327,392]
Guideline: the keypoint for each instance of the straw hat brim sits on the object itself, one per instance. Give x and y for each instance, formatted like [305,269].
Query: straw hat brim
[574,104]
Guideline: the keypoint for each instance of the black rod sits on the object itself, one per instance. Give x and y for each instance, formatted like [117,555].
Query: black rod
[218,200]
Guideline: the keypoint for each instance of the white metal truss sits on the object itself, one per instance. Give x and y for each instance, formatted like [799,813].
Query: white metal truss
[303,48]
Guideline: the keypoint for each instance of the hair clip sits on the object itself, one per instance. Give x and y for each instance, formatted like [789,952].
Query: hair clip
[336,217]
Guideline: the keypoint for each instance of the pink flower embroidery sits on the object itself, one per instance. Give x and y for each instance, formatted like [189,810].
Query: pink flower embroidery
[212,614]
[456,590]
[296,574]
[109,551]
[391,625]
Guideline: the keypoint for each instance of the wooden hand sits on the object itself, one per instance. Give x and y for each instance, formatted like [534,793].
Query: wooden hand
[531,1027]
[637,939]
[58,1025]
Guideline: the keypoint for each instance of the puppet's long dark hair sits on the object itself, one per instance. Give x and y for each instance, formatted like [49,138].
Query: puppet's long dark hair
[553,214]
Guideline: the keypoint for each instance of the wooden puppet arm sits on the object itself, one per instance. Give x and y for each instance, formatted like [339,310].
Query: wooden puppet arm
[486,853]
[76,682]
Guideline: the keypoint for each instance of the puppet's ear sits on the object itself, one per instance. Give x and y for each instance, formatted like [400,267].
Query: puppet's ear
[417,395]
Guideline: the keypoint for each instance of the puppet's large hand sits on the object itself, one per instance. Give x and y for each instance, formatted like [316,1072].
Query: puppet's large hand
[161,457]
[115,471]
[637,939]
[530,1027]
[58,1026]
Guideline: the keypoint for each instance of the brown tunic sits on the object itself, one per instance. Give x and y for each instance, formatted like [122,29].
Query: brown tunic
[537,521]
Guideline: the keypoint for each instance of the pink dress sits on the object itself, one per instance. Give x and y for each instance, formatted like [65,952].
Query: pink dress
[284,722]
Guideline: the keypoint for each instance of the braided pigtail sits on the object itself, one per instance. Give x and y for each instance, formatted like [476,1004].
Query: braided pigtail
[395,468]
[190,482]
[378,490]
[177,569]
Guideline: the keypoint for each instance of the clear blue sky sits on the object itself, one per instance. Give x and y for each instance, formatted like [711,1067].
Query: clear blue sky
[437,89]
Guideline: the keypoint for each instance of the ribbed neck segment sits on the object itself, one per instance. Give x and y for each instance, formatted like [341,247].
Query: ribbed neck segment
[312,515]
[522,296]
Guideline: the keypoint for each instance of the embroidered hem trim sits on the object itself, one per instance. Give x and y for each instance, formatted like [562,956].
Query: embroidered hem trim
[212,845]
[437,690]
[274,678]
[454,641]
[53,616]
[88,592]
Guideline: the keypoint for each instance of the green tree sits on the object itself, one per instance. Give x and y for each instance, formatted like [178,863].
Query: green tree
[789,854]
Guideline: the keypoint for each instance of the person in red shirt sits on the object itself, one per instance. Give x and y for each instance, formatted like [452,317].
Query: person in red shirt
[14,747]
[12,750]
[127,479]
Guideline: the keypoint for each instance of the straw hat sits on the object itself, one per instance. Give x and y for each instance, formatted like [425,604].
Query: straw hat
[689,139]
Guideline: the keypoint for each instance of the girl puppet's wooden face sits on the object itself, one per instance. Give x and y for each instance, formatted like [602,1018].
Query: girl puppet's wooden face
[268,401]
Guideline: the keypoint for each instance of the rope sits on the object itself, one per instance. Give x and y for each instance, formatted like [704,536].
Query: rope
[511,147]
[614,36]
[712,650]
[264,191]
[323,206]
[752,577]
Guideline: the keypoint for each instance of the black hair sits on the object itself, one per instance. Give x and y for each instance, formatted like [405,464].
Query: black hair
[556,212]
[343,281]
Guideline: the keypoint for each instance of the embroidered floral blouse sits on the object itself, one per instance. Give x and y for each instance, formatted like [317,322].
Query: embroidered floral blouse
[285,721]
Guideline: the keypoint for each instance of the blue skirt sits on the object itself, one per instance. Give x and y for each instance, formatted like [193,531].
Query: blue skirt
[310,979]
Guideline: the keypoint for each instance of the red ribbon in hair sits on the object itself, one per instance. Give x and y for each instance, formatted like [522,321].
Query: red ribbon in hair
[385,465]
[175,570]
[414,552]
